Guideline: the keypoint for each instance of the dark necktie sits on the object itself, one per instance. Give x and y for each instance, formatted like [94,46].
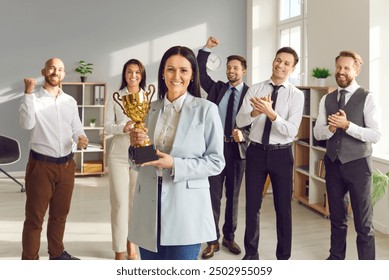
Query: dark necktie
[342,99]
[266,130]
[229,114]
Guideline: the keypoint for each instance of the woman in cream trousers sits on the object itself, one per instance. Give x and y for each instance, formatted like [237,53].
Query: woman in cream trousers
[122,178]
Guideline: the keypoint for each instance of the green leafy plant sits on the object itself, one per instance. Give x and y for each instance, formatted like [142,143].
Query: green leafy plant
[92,120]
[379,186]
[84,68]
[320,73]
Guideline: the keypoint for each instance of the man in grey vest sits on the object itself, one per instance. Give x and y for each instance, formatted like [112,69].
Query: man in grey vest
[349,120]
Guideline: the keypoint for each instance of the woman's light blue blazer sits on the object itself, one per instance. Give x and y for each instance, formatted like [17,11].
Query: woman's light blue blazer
[186,211]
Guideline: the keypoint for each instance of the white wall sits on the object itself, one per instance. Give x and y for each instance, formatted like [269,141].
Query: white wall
[334,26]
[261,39]
[106,33]
[379,70]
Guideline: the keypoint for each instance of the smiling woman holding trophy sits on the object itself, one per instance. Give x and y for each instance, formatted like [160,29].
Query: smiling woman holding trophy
[172,213]
[122,178]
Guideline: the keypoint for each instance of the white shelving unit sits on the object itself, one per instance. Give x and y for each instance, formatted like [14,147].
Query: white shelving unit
[90,98]
[309,188]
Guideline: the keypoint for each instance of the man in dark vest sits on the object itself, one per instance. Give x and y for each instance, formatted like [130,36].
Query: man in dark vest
[228,96]
[349,120]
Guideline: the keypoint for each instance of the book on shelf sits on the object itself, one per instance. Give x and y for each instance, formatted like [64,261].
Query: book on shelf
[320,169]
[97,95]
[307,101]
[102,95]
[95,145]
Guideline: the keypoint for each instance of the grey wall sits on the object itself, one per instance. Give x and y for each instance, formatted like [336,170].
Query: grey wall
[334,26]
[106,33]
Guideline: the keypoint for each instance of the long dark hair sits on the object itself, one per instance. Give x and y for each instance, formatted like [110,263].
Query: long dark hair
[194,85]
[142,83]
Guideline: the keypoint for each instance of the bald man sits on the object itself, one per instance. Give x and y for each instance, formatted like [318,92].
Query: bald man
[52,117]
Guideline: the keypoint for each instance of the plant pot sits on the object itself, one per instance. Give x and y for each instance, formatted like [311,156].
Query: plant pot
[92,124]
[321,82]
[83,79]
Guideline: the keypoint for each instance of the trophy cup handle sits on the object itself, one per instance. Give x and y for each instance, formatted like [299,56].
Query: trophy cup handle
[151,90]
[116,97]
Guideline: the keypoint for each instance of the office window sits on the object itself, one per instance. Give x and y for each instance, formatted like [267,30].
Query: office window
[289,9]
[291,34]
[292,37]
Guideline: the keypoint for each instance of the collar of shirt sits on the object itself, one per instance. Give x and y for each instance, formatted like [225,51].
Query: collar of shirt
[177,104]
[126,92]
[285,84]
[349,90]
[238,87]
[42,91]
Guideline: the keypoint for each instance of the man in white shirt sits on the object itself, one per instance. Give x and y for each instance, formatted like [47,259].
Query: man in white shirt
[52,116]
[349,120]
[274,110]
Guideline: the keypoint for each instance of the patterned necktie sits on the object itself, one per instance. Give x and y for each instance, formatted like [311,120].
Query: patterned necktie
[342,99]
[266,130]
[229,114]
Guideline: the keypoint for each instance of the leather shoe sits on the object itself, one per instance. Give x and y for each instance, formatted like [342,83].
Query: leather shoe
[210,250]
[232,246]
[251,257]
[65,256]
[332,258]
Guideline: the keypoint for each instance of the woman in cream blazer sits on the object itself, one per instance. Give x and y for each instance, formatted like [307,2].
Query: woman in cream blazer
[122,178]
[172,212]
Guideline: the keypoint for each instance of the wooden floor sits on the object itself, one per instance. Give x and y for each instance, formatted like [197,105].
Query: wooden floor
[88,231]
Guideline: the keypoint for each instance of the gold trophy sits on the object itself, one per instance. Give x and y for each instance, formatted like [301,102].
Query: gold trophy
[136,106]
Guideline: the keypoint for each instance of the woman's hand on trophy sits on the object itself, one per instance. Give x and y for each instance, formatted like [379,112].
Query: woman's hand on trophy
[128,126]
[138,137]
[165,161]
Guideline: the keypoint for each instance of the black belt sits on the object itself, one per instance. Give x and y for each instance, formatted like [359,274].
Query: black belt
[60,160]
[271,147]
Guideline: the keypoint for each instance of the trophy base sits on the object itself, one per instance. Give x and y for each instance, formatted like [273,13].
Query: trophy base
[141,155]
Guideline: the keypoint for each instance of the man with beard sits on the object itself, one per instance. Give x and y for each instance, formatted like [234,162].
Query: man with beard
[274,110]
[52,116]
[228,96]
[348,119]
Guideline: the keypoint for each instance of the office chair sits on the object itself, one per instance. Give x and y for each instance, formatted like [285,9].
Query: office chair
[9,154]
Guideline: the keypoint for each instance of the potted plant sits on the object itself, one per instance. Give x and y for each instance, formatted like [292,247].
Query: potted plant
[321,74]
[379,186]
[92,122]
[84,69]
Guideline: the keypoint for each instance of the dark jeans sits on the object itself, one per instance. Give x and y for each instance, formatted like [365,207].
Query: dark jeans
[231,177]
[48,185]
[353,177]
[278,164]
[185,252]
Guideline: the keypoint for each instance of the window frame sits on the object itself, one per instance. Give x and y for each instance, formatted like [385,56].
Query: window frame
[289,23]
